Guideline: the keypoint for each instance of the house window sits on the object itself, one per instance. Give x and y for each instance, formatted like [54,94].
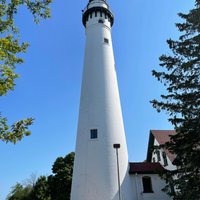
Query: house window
[93,134]
[158,154]
[106,40]
[164,158]
[147,184]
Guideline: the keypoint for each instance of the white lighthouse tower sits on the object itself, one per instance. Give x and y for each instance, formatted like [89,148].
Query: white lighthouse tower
[101,158]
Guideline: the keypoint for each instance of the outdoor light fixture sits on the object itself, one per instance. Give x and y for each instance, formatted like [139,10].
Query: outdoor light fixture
[117,146]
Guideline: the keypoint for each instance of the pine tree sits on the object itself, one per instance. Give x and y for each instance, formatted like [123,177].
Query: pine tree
[181,76]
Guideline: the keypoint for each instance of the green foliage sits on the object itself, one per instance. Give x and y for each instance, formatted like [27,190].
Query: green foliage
[10,48]
[60,182]
[181,77]
[9,45]
[19,192]
[41,189]
[16,132]
[53,187]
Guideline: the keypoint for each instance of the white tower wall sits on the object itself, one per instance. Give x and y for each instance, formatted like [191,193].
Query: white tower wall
[95,167]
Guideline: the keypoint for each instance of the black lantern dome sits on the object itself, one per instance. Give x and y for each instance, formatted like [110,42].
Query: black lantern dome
[94,9]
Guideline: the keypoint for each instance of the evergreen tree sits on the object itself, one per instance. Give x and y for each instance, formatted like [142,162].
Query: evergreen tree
[181,76]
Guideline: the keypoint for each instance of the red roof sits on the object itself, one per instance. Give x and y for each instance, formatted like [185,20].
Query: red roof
[162,136]
[145,168]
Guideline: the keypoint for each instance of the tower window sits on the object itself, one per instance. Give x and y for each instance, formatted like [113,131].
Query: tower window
[147,184]
[93,134]
[90,15]
[106,40]
[100,21]
[164,158]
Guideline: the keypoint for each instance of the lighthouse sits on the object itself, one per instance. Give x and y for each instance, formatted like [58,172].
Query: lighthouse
[101,158]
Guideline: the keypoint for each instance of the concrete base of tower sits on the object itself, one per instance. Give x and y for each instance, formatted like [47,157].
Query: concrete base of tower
[109,192]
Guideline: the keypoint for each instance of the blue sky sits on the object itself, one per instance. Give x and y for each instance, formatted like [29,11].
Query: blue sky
[49,87]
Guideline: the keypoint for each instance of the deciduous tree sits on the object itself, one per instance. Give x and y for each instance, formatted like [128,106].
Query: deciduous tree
[20,192]
[10,48]
[60,181]
[53,187]
[41,189]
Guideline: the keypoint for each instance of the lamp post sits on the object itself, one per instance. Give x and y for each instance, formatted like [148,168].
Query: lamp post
[117,146]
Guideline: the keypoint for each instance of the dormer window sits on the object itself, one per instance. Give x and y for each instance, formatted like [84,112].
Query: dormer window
[158,155]
[164,158]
